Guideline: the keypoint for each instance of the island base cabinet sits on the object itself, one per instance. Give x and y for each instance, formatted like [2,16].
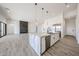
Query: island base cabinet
[43,45]
[47,42]
[54,38]
[34,41]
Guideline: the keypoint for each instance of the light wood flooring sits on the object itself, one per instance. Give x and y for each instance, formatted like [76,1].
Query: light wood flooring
[16,45]
[65,47]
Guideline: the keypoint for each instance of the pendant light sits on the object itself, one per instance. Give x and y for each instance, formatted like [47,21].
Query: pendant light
[36,22]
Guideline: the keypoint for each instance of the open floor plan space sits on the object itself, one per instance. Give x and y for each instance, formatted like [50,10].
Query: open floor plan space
[39,29]
[19,46]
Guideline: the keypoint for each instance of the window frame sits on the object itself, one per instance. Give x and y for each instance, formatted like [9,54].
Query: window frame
[4,29]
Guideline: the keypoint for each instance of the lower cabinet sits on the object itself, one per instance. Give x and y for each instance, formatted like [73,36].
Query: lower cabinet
[54,38]
[34,41]
[47,41]
[37,45]
[41,44]
[43,48]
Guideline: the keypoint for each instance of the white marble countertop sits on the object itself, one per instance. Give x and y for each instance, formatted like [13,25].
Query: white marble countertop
[54,33]
[40,34]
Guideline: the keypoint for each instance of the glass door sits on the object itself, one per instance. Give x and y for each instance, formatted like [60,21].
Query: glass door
[0,29]
[3,30]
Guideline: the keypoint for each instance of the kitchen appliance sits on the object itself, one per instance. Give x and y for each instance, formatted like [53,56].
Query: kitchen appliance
[47,41]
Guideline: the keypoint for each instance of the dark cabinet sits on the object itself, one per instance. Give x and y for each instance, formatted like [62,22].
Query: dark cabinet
[47,41]
[23,27]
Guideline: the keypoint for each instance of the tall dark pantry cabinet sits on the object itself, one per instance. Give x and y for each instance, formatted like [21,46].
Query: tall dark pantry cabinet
[23,27]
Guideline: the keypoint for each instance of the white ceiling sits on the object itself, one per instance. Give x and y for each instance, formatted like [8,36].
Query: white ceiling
[28,11]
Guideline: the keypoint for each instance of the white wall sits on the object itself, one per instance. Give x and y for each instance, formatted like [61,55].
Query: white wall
[13,27]
[10,29]
[77,24]
[33,24]
[32,27]
[2,19]
[70,14]
[70,30]
[55,20]
[70,26]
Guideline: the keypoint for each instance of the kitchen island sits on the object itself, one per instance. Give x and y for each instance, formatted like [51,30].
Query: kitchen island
[40,42]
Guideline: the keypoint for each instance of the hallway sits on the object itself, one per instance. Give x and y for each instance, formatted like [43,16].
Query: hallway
[65,47]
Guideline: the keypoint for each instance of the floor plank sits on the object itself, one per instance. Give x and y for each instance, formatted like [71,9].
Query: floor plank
[65,47]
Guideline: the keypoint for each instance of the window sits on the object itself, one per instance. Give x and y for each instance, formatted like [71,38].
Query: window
[54,28]
[57,27]
[2,29]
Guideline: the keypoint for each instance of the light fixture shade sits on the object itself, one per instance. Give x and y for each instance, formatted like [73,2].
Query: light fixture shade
[42,8]
[35,3]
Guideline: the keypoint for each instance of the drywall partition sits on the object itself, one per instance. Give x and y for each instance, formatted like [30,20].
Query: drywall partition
[10,29]
[35,26]
[55,20]
[70,14]
[32,27]
[17,27]
[3,26]
[77,24]
[13,27]
[2,19]
[70,26]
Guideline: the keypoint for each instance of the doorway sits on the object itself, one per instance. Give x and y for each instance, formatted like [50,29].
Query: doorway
[70,26]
